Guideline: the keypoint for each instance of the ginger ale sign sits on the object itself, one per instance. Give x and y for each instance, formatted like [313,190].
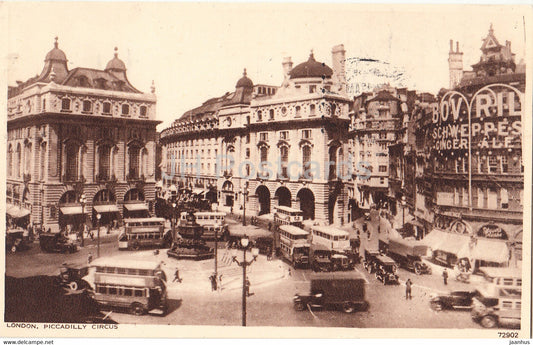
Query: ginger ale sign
[492,115]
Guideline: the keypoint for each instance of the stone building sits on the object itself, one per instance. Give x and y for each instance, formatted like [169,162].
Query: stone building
[271,145]
[80,142]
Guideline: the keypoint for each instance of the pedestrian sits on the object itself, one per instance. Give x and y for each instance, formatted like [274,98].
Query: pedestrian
[445,276]
[270,226]
[269,254]
[89,258]
[220,282]
[177,275]
[213,280]
[408,284]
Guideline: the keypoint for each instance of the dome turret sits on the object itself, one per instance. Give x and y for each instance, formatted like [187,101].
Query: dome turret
[116,64]
[56,54]
[311,69]
[245,81]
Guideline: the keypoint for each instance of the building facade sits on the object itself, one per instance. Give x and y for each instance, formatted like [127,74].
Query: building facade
[81,142]
[477,172]
[269,146]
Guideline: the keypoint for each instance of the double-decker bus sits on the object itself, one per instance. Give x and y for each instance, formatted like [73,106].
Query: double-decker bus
[210,221]
[144,232]
[330,249]
[136,285]
[294,244]
[284,215]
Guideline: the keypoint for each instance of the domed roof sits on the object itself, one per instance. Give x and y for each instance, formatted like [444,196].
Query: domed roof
[56,54]
[245,81]
[116,63]
[311,69]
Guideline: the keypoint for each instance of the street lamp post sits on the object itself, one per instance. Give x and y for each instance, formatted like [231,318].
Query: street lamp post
[98,217]
[173,221]
[82,202]
[244,195]
[403,211]
[245,241]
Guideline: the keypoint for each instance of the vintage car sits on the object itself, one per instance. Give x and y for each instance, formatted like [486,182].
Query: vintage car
[56,243]
[453,300]
[71,277]
[344,291]
[325,260]
[16,239]
[383,266]
[408,254]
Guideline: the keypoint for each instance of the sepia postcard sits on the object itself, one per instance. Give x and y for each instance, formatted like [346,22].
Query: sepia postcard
[266,170]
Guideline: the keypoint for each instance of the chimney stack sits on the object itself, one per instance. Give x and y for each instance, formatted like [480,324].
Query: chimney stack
[338,58]
[451,46]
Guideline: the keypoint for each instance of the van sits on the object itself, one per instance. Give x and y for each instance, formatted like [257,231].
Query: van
[346,292]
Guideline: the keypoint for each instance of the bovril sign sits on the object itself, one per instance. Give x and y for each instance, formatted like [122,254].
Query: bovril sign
[495,119]
[492,231]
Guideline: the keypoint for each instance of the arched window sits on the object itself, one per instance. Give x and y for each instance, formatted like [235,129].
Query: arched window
[333,162]
[104,162]
[259,116]
[43,161]
[65,104]
[271,114]
[10,161]
[87,106]
[125,109]
[142,110]
[284,153]
[27,158]
[306,159]
[106,108]
[312,109]
[71,158]
[18,158]
[133,159]
[144,162]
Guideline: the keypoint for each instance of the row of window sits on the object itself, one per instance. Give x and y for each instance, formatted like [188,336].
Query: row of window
[87,107]
[121,291]
[481,197]
[126,271]
[491,164]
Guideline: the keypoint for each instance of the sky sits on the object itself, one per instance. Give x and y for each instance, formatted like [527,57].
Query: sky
[195,51]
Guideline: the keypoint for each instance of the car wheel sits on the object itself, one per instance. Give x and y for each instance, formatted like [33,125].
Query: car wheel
[299,306]
[13,249]
[137,309]
[489,321]
[418,271]
[437,306]
[348,307]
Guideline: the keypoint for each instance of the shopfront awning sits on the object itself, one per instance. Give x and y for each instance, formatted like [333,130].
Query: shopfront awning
[16,212]
[136,207]
[71,210]
[106,208]
[490,250]
[446,242]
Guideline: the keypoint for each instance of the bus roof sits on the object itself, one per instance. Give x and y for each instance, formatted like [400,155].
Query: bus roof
[293,230]
[114,261]
[331,230]
[215,213]
[288,209]
[142,220]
